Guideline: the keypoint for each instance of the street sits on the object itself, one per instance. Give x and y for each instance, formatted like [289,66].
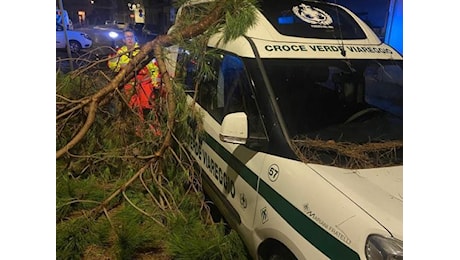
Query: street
[103,45]
[100,35]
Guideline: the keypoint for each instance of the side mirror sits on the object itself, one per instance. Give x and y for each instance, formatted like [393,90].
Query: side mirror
[234,128]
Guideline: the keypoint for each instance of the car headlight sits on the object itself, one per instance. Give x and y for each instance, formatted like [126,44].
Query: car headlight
[383,248]
[113,35]
[86,36]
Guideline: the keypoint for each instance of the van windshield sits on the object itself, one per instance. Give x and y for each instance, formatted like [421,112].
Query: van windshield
[354,102]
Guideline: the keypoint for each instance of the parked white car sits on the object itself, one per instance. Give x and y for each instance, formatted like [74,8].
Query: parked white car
[77,40]
[119,24]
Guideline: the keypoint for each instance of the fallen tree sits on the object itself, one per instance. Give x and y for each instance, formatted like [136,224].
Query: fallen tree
[145,187]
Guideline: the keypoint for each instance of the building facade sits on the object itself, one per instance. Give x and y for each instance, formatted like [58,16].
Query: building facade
[157,16]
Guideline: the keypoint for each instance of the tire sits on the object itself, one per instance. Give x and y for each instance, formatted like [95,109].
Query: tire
[277,251]
[281,253]
[75,46]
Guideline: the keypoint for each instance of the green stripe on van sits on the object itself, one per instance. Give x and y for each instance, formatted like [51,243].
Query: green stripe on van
[239,167]
[318,237]
[311,231]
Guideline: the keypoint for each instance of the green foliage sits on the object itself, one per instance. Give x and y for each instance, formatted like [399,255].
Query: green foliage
[102,162]
[161,210]
[73,236]
[135,233]
[69,85]
[239,17]
[78,194]
[190,238]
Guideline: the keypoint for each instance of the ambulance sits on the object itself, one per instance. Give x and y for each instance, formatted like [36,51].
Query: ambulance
[303,131]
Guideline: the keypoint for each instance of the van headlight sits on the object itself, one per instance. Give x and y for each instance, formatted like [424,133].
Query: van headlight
[383,248]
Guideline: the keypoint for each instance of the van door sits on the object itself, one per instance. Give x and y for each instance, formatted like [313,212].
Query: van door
[230,168]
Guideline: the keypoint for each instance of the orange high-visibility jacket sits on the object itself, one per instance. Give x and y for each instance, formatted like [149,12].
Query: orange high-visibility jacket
[145,81]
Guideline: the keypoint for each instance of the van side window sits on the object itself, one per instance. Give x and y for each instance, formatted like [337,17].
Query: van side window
[233,82]
[228,92]
[238,94]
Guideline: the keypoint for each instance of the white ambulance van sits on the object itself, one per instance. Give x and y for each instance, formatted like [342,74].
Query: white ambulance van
[302,151]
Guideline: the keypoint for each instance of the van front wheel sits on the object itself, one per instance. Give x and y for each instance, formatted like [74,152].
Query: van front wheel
[277,252]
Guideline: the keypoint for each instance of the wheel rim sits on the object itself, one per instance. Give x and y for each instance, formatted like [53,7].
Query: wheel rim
[74,46]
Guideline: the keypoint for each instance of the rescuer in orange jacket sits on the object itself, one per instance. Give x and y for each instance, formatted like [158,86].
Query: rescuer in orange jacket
[140,90]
